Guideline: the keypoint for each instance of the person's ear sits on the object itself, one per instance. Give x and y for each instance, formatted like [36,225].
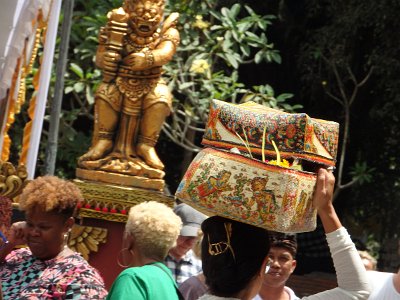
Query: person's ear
[129,241]
[69,223]
[294,264]
[264,266]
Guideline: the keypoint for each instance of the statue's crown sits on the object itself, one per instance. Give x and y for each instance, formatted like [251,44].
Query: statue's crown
[130,4]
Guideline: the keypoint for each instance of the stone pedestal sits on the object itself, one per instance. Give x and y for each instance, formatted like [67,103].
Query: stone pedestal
[106,207]
[121,179]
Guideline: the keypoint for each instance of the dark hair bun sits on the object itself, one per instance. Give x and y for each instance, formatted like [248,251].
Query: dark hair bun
[232,254]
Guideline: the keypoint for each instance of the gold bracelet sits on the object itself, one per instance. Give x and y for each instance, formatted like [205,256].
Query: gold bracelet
[149,58]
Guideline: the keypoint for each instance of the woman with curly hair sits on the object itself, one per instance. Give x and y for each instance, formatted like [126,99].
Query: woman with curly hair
[151,230]
[47,269]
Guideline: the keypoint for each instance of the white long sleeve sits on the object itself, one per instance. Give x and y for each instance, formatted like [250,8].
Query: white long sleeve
[350,271]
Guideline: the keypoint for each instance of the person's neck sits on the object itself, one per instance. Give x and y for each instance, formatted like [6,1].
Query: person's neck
[396,281]
[141,261]
[250,291]
[64,252]
[243,295]
[273,293]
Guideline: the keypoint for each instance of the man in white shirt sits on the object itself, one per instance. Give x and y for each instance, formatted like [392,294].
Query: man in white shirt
[181,259]
[385,286]
[282,257]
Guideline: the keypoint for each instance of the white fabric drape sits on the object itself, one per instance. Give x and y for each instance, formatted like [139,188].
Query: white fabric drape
[45,75]
[16,18]
[18,24]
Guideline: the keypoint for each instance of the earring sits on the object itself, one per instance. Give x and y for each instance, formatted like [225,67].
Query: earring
[66,238]
[120,255]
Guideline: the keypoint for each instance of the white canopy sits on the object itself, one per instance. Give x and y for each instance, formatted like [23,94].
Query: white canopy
[16,25]
[19,20]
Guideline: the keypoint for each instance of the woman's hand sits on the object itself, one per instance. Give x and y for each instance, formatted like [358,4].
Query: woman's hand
[323,193]
[16,236]
[322,200]
[18,233]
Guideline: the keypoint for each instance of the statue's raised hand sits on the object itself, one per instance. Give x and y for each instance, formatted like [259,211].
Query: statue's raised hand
[111,60]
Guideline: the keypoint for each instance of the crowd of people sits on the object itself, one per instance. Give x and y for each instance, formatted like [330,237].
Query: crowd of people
[167,253]
[162,259]
[175,253]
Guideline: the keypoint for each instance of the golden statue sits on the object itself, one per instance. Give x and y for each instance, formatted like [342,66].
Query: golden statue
[132,100]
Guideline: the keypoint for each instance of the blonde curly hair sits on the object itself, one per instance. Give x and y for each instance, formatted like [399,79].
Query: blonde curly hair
[52,194]
[155,228]
[366,257]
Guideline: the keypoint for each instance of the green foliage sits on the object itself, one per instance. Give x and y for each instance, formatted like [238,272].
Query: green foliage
[362,173]
[215,42]
[353,37]
[81,81]
[265,95]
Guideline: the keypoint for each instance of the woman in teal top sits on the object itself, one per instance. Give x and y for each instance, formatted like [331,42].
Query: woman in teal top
[151,230]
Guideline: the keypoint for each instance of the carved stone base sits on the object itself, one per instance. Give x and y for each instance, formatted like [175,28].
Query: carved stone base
[112,202]
[86,239]
[120,179]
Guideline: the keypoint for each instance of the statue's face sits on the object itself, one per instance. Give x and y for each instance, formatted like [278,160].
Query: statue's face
[145,17]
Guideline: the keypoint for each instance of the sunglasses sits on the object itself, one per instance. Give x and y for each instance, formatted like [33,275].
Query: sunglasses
[4,239]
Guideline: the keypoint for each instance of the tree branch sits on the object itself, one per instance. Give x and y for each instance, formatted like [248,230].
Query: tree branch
[337,99]
[341,187]
[344,143]
[366,77]
[353,95]
[191,148]
[195,128]
[249,61]
[339,82]
[349,184]
[353,78]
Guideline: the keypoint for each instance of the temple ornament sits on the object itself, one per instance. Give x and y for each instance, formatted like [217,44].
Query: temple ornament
[133,100]
[12,179]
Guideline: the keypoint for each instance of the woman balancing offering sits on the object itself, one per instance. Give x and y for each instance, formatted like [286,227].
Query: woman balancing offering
[235,254]
[47,269]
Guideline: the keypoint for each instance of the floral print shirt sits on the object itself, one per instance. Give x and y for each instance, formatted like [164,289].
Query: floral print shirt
[25,277]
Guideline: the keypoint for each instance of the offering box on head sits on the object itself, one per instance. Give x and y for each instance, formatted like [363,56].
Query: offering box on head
[245,185]
[296,135]
[236,187]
